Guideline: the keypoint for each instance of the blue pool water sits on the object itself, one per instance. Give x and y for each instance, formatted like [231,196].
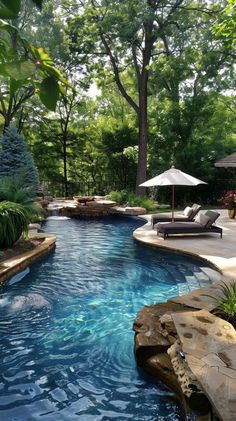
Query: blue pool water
[66,340]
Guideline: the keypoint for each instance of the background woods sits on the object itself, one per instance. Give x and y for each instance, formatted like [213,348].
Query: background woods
[145,84]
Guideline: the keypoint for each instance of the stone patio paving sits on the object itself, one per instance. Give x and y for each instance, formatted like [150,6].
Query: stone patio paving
[220,252]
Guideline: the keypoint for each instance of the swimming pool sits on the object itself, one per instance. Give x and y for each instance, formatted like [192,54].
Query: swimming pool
[66,340]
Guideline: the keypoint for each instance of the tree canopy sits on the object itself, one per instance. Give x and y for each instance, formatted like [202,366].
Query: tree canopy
[164,74]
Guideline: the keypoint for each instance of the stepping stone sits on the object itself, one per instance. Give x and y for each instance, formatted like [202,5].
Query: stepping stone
[209,344]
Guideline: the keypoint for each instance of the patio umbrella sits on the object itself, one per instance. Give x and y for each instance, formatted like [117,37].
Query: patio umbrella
[173,177]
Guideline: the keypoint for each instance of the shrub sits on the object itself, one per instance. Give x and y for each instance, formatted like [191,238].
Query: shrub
[14,220]
[15,159]
[124,197]
[119,197]
[17,209]
[229,199]
[226,306]
[144,202]
[12,189]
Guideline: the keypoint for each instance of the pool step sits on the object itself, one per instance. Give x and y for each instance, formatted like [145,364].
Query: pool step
[193,282]
[203,278]
[189,278]
[176,274]
[212,274]
[195,278]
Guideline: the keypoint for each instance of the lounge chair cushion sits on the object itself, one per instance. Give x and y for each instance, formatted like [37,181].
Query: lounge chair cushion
[196,208]
[203,220]
[213,217]
[188,211]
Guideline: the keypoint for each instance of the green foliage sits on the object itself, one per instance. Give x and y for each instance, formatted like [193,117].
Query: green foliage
[144,202]
[18,70]
[180,62]
[15,159]
[125,197]
[120,197]
[191,114]
[49,93]
[21,61]
[17,209]
[10,8]
[225,26]
[14,221]
[226,306]
[121,166]
[13,189]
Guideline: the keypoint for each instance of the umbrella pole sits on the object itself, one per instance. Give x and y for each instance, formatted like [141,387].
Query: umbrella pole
[173,202]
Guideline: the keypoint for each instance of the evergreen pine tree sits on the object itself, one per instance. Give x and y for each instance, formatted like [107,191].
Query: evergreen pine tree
[15,160]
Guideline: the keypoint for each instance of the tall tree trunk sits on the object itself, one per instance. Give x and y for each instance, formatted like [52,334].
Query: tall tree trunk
[143,103]
[65,167]
[143,137]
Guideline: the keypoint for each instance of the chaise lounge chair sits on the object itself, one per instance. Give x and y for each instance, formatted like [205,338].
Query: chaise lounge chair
[203,224]
[188,215]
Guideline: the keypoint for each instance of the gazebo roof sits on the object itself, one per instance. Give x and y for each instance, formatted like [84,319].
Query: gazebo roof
[227,162]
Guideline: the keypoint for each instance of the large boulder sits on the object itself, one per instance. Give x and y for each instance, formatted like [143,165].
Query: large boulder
[156,351]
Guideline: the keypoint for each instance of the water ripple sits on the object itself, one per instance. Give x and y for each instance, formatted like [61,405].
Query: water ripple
[66,335]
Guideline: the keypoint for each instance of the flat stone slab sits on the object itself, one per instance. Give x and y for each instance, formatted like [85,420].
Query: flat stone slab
[134,210]
[14,264]
[108,203]
[128,210]
[209,344]
[203,298]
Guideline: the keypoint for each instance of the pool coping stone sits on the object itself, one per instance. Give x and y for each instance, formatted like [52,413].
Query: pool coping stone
[13,265]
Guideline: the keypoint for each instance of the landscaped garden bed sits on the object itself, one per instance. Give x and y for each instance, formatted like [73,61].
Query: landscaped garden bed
[21,246]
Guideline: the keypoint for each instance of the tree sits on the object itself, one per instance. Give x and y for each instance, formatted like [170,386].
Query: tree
[15,159]
[54,138]
[186,79]
[66,107]
[115,38]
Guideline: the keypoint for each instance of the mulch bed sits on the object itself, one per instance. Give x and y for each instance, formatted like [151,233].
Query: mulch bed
[21,246]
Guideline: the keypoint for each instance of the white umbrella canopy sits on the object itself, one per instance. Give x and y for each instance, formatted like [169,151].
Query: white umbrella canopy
[173,177]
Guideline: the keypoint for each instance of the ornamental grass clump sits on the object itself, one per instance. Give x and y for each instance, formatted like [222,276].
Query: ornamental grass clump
[14,189]
[14,220]
[17,209]
[226,305]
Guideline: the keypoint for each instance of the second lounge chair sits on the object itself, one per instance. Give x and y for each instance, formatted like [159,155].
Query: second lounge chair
[203,224]
[188,215]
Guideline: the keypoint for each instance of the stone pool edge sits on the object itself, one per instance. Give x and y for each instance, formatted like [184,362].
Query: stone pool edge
[139,235]
[13,265]
[158,346]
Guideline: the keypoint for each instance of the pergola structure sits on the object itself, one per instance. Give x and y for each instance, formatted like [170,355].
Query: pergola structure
[227,162]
